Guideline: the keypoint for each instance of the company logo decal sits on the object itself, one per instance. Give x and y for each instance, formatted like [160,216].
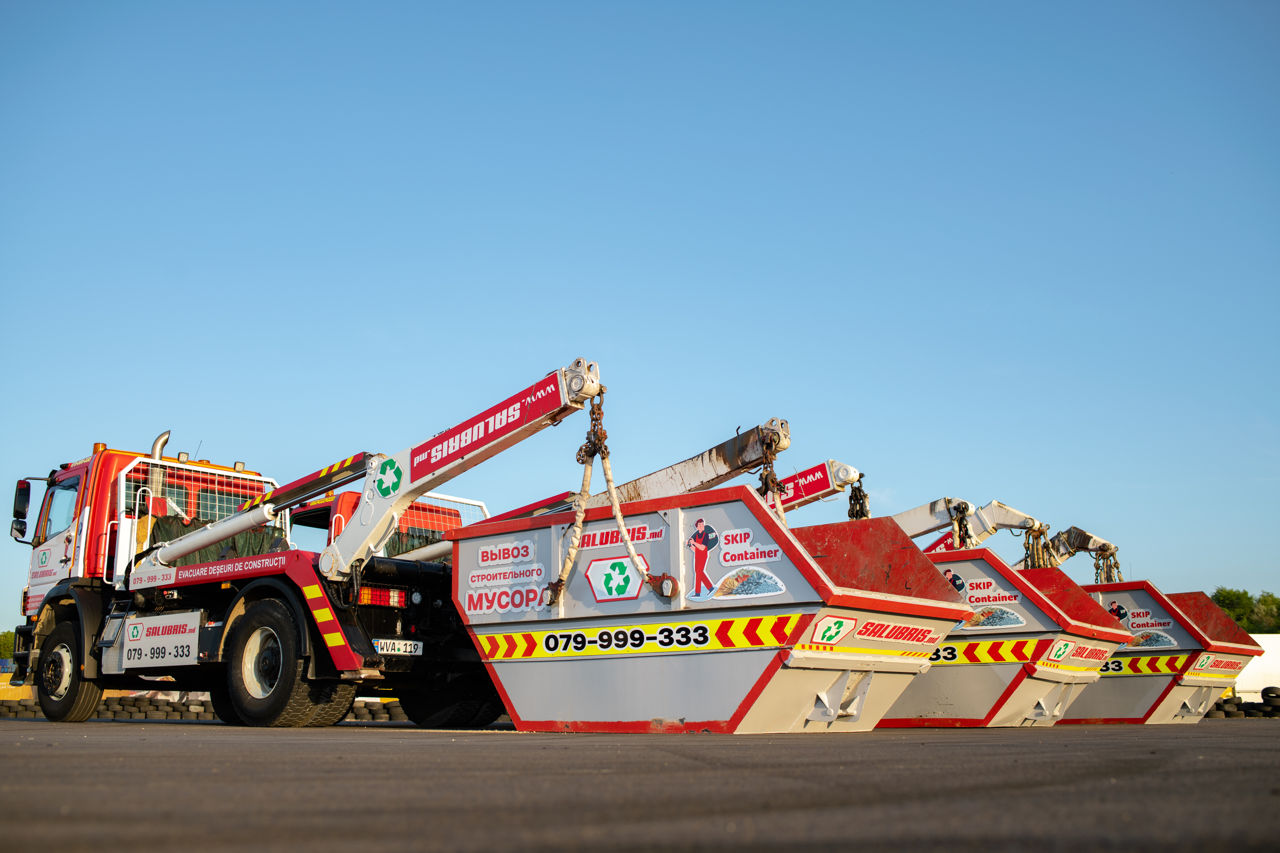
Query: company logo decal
[522,408]
[1208,661]
[388,482]
[747,582]
[506,552]
[605,538]
[736,549]
[507,576]
[830,630]
[988,600]
[514,600]
[899,633]
[1151,640]
[615,578]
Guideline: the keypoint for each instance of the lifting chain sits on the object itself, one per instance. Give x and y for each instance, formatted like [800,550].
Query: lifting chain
[960,519]
[594,446]
[770,488]
[859,501]
[596,435]
[1106,568]
[1036,549]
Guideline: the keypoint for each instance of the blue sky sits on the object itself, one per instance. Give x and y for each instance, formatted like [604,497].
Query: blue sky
[1012,251]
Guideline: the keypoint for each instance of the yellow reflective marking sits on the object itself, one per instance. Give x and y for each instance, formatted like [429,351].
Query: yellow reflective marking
[324,614]
[986,651]
[334,640]
[312,591]
[703,635]
[849,650]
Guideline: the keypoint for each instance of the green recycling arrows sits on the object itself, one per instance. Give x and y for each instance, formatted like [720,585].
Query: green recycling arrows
[389,471]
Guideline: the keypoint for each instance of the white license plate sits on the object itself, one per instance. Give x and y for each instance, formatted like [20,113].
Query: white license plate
[398,647]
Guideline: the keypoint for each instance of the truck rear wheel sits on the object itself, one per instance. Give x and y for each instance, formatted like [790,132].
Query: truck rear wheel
[264,672]
[462,702]
[333,701]
[64,694]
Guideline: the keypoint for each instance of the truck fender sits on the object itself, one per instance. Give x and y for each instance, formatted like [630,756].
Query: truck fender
[67,602]
[270,588]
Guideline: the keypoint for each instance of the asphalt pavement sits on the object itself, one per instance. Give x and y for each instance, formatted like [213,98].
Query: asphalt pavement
[209,787]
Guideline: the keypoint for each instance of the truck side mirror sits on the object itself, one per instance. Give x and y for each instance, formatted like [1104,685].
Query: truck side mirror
[22,500]
[18,529]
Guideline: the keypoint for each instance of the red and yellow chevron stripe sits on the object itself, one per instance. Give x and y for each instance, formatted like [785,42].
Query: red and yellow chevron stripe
[318,475]
[330,630]
[1146,665]
[755,632]
[984,651]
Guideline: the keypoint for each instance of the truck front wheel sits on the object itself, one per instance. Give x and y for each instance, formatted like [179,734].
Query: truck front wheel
[264,672]
[65,696]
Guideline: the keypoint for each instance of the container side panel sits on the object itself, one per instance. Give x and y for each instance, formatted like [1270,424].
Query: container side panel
[873,554]
[1071,598]
[1212,619]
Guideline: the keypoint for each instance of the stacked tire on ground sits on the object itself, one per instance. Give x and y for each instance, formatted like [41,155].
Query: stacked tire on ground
[1236,708]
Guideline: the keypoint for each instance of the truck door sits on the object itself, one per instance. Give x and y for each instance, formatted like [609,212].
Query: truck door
[54,546]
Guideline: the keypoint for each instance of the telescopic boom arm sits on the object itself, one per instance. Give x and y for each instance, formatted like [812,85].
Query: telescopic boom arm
[393,482]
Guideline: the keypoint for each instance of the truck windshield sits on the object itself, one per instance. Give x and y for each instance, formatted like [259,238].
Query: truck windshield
[62,507]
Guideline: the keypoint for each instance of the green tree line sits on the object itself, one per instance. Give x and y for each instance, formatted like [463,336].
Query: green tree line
[1259,615]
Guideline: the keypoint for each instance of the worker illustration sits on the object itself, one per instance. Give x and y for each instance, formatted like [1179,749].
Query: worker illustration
[702,542]
[954,579]
[1117,610]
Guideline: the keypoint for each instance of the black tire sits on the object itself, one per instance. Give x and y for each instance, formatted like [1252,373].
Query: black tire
[264,671]
[463,702]
[1271,701]
[432,711]
[220,701]
[1270,691]
[332,701]
[1216,715]
[64,693]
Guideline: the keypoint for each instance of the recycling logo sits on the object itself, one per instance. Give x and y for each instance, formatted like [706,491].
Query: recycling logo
[1060,650]
[135,632]
[615,578]
[830,630]
[389,475]
[44,559]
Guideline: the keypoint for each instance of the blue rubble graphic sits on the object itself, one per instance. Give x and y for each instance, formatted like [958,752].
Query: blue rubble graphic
[997,617]
[749,582]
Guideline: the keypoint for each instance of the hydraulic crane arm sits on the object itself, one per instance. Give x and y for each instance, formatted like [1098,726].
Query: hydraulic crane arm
[394,482]
[987,520]
[816,483]
[708,469]
[938,515]
[1067,543]
[746,450]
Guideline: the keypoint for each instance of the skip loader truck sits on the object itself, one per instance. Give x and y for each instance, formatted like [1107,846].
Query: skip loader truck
[147,566]
[691,606]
